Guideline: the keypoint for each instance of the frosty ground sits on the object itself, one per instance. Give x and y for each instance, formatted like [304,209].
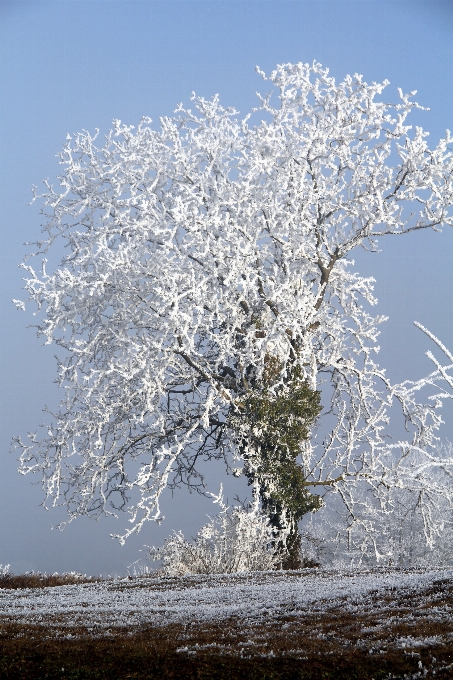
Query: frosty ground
[304,624]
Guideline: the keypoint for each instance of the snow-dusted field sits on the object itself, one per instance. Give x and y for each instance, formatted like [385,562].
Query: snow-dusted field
[279,625]
[260,596]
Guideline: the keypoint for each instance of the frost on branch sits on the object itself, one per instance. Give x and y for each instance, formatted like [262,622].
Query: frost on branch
[408,521]
[203,250]
[415,529]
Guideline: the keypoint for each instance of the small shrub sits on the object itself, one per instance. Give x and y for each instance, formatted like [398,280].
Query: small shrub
[233,541]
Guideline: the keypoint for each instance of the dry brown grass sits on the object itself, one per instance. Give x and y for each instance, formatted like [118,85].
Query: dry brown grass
[38,580]
[340,644]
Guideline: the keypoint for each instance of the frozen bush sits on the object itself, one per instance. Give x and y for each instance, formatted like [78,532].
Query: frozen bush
[235,540]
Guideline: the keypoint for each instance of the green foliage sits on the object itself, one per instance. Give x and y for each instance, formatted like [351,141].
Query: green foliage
[276,418]
[282,420]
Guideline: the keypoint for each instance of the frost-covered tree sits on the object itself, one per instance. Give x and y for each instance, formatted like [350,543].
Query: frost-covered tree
[207,298]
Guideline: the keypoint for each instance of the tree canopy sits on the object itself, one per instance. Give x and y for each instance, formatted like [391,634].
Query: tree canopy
[207,306]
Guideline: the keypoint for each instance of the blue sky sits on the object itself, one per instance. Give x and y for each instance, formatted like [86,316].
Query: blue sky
[68,65]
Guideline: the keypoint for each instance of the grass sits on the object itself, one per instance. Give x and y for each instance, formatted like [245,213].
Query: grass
[38,580]
[337,644]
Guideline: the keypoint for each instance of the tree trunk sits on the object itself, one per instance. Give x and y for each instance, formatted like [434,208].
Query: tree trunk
[283,519]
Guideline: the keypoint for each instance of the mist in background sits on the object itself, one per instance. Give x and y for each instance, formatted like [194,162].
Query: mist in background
[68,65]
